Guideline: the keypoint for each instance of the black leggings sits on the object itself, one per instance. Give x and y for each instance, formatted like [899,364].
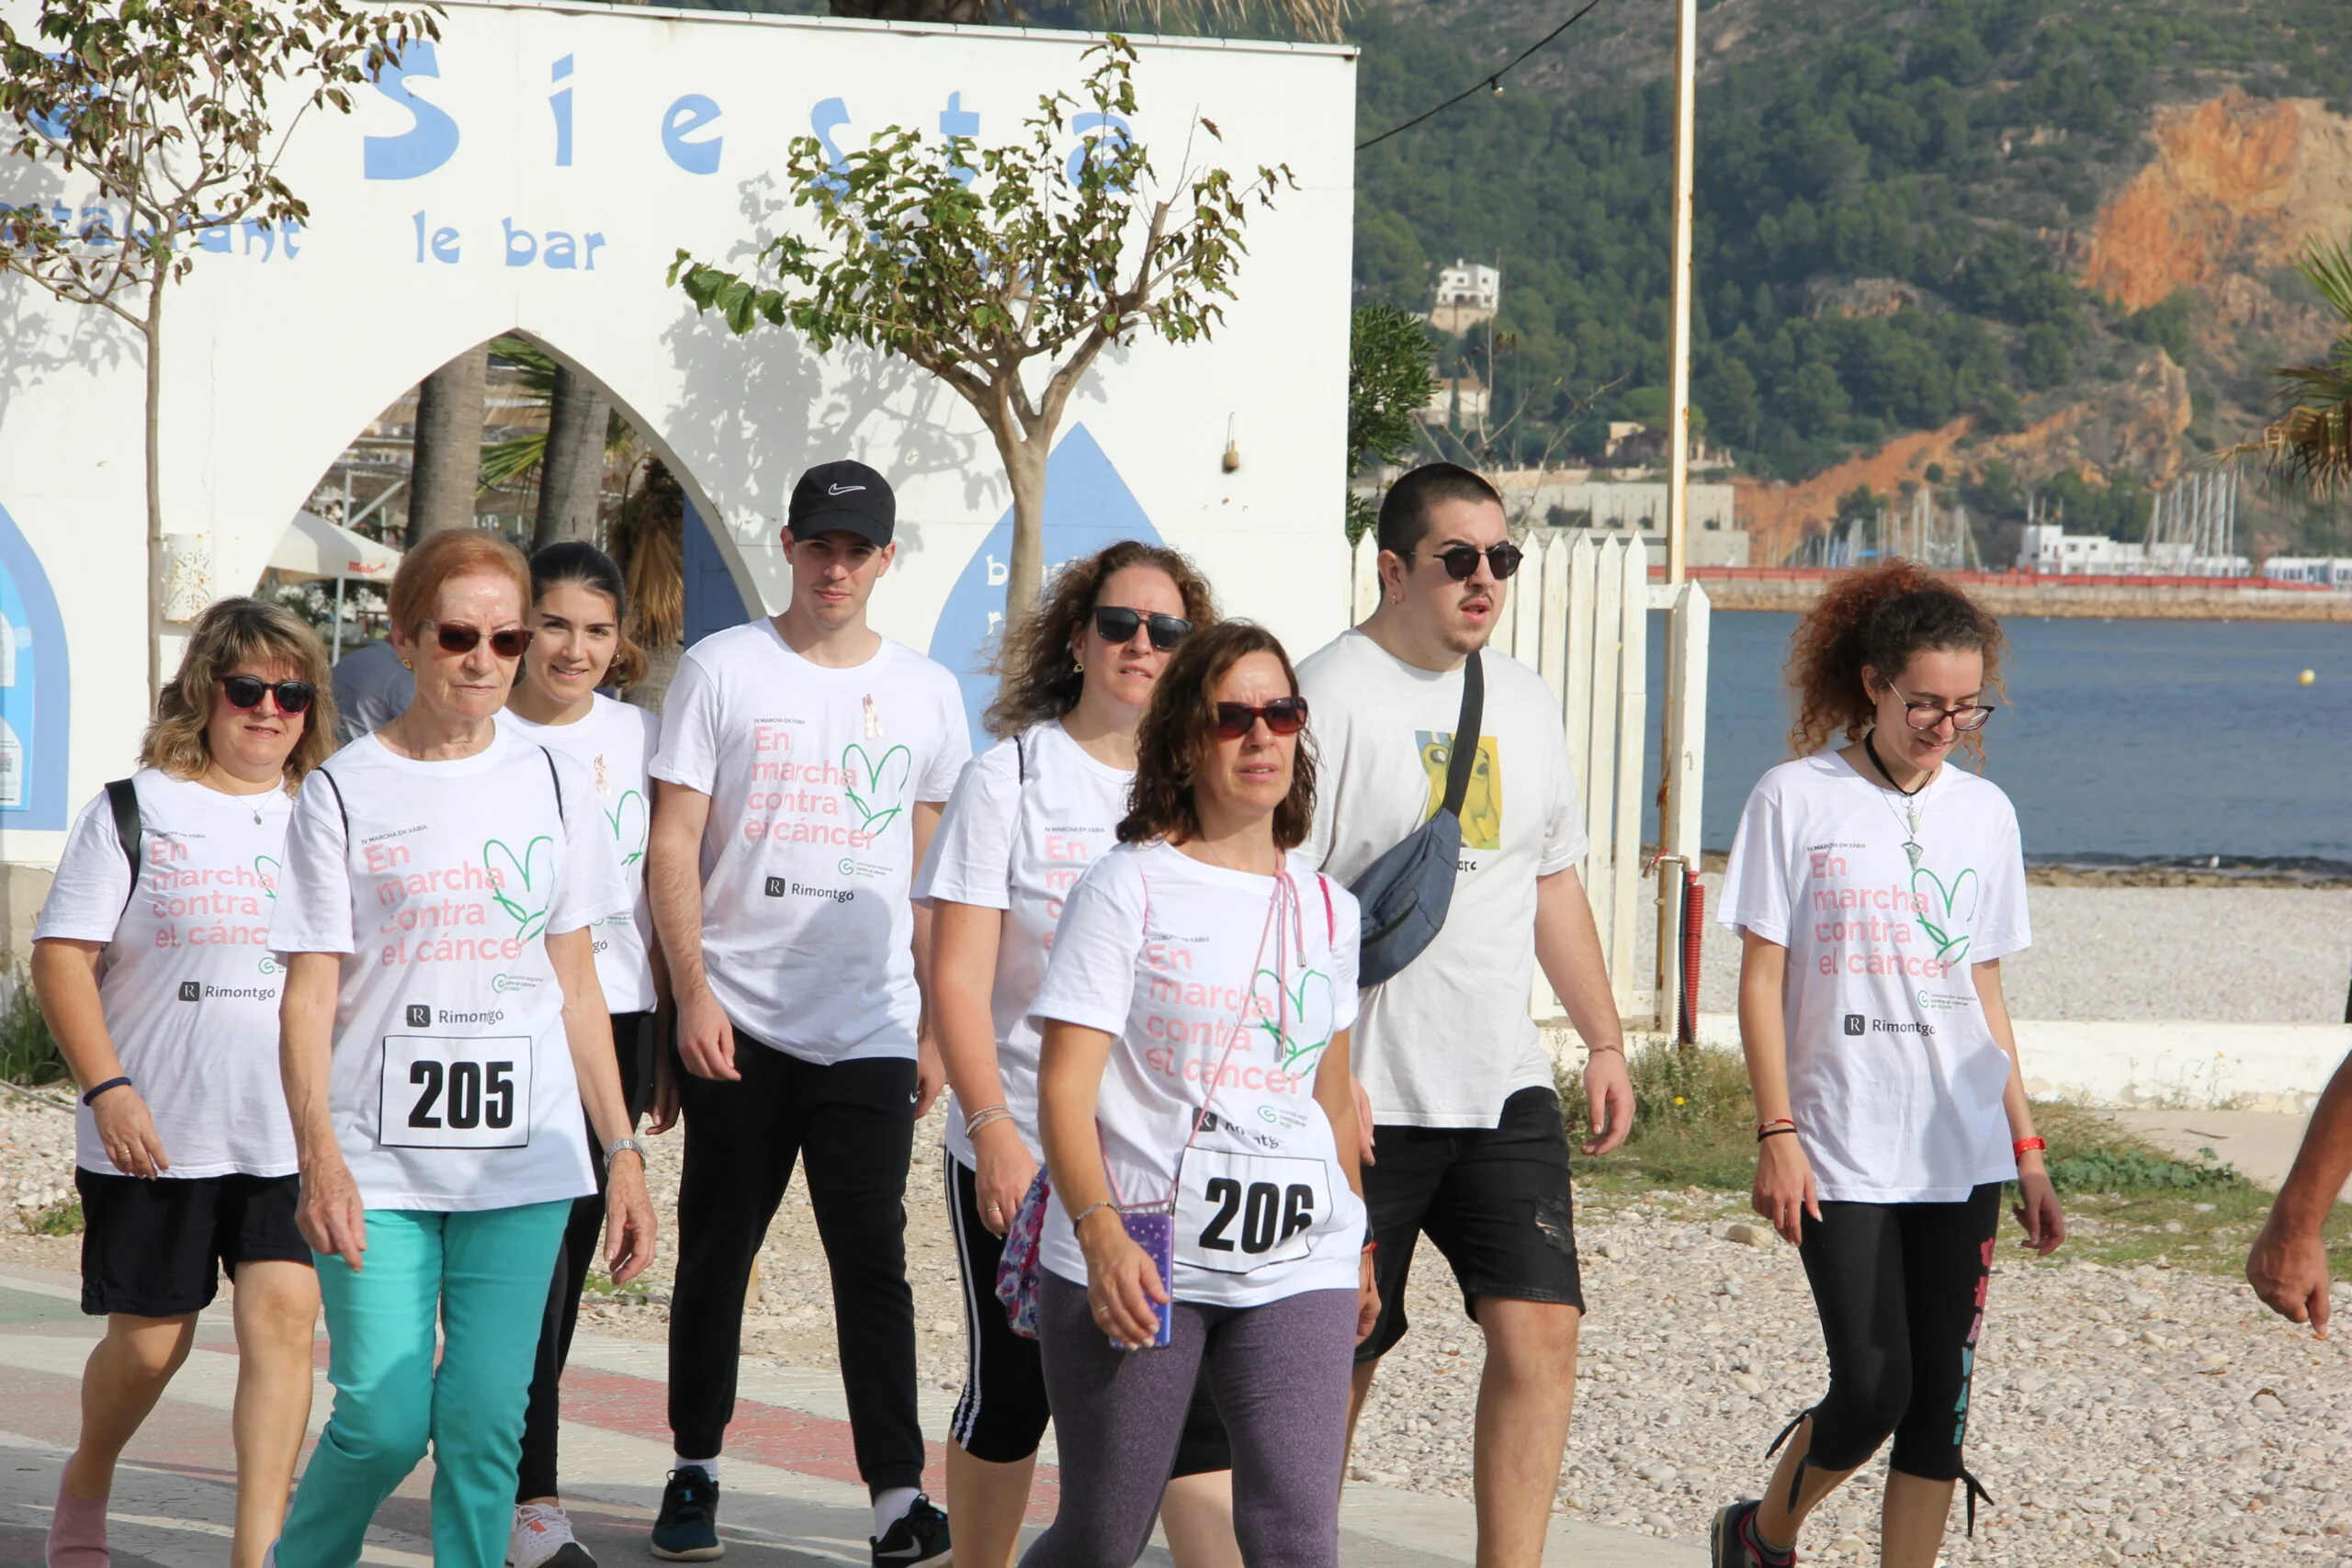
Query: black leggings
[1901,1288]
[534,1477]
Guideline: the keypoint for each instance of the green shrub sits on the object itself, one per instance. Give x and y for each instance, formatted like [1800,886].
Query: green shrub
[29,1053]
[58,1219]
[1694,1123]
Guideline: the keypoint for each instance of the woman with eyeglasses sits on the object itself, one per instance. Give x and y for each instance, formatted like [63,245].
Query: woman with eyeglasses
[1027,818]
[1199,1130]
[441,1032]
[152,964]
[1876,889]
[579,608]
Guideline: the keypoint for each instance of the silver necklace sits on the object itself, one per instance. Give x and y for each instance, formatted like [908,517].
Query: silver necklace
[1907,818]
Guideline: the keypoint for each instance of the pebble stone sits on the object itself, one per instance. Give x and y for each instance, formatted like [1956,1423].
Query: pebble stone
[2141,1413]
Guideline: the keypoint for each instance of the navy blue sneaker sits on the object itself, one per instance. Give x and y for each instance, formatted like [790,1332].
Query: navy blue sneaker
[688,1528]
[918,1540]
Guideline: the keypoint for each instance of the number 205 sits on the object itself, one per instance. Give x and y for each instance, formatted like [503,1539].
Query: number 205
[481,1094]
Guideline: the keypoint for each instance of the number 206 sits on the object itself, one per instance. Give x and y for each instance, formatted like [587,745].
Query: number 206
[467,1105]
[1259,1207]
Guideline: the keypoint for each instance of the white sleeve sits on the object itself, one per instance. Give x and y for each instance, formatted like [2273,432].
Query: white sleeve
[2007,927]
[1756,879]
[1328,738]
[971,855]
[313,910]
[591,887]
[1091,978]
[955,747]
[690,714]
[92,886]
[1348,922]
[1565,840]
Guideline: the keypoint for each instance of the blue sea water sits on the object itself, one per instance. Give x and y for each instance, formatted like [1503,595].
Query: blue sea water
[2155,740]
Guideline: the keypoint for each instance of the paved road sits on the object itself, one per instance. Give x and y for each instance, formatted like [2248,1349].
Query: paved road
[791,1497]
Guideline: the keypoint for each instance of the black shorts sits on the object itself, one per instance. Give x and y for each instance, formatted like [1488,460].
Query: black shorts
[1495,1200]
[1002,1413]
[149,1248]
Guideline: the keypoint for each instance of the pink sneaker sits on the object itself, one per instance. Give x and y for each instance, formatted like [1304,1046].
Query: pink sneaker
[77,1532]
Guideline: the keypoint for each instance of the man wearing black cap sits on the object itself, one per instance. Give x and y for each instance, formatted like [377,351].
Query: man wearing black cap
[804,762]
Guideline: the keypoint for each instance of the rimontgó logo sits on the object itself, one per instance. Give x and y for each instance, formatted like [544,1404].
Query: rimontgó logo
[420,1016]
[1855,1024]
[191,990]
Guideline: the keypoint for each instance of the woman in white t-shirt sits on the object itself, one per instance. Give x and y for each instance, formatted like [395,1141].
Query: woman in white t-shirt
[152,963]
[579,607]
[1027,818]
[1876,890]
[1200,1130]
[443,1030]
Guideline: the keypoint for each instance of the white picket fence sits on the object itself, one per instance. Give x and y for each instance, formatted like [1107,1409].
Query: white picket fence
[1575,614]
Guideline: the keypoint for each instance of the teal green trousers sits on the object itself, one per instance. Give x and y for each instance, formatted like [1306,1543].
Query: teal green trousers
[483,1275]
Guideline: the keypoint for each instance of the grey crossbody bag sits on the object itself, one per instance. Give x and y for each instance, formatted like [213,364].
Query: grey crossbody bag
[1405,894]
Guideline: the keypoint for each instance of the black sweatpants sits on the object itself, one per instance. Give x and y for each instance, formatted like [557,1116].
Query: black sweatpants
[854,1121]
[1901,1290]
[634,1045]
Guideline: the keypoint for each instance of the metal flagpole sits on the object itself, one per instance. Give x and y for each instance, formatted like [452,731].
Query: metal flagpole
[1677,500]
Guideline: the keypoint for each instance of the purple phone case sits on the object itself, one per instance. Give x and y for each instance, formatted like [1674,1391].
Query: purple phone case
[1155,1232]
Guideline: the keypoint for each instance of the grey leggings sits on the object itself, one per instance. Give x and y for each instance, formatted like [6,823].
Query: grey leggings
[1280,1372]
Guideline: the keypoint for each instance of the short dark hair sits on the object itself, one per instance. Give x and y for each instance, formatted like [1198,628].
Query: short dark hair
[579,563]
[1405,511]
[1177,732]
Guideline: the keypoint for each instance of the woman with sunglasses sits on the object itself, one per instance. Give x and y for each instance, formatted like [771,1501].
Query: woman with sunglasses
[152,964]
[443,1030]
[1876,890]
[1199,1128]
[579,608]
[1026,818]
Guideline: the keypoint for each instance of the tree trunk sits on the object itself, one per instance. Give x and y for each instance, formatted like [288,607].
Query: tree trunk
[445,473]
[571,475]
[155,331]
[1024,466]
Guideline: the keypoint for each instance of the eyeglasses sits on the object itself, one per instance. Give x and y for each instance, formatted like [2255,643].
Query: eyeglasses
[1926,716]
[245,692]
[1284,715]
[1460,561]
[1115,624]
[455,638]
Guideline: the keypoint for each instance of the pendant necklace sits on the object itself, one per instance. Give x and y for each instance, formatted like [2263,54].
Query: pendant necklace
[1909,818]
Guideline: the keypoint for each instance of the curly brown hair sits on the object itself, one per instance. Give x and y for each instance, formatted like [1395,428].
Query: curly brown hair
[1038,676]
[1180,726]
[257,635]
[1878,617]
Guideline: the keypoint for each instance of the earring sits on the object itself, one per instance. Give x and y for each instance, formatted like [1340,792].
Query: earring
[1078,664]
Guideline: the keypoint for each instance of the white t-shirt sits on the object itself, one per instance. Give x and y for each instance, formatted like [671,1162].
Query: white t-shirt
[452,1086]
[1447,1041]
[615,742]
[1181,963]
[1895,1078]
[1021,847]
[808,933]
[187,980]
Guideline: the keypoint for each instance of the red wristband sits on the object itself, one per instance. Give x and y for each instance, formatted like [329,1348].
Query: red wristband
[2027,1145]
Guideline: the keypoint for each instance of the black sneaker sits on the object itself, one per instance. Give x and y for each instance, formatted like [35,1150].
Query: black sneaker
[688,1529]
[918,1540]
[1733,1546]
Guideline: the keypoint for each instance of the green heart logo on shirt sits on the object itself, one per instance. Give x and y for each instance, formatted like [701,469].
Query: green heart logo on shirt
[876,789]
[265,870]
[1307,1007]
[1948,912]
[628,822]
[525,884]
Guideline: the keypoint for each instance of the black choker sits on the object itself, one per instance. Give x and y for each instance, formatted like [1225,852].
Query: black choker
[1906,794]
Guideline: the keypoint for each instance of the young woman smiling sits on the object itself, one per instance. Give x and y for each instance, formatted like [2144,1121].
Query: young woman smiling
[1876,889]
[1207,1206]
[152,963]
[1027,816]
[578,610]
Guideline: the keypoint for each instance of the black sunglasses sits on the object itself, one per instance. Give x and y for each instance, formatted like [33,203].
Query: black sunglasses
[1116,623]
[507,644]
[245,692]
[1461,560]
[1284,715]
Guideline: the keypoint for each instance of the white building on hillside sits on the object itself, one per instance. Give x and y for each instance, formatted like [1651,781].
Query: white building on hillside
[1467,293]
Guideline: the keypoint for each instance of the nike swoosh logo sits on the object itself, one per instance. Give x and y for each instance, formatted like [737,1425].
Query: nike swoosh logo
[841,490]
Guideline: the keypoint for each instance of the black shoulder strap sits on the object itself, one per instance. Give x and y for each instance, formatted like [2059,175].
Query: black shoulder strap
[122,795]
[341,810]
[558,779]
[1021,756]
[1466,734]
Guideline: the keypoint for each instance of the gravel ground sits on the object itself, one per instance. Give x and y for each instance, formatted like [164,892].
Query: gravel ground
[2215,954]
[2118,1414]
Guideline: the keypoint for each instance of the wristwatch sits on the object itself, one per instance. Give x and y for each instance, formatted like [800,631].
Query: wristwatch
[631,1144]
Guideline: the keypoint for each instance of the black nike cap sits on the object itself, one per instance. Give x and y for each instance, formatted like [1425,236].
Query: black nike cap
[844,497]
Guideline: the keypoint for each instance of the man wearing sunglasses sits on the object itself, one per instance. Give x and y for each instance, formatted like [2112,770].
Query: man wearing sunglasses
[1469,1143]
[804,762]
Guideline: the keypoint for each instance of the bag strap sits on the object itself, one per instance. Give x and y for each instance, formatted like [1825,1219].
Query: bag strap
[1330,915]
[122,795]
[1473,712]
[558,779]
[1020,757]
[341,810]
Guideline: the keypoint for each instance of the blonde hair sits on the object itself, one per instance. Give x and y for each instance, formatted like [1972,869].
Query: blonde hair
[230,633]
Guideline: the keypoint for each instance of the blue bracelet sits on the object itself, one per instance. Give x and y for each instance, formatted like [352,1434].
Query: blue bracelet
[98,1089]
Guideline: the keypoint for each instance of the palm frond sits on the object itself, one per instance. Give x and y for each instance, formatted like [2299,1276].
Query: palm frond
[2307,447]
[534,369]
[514,460]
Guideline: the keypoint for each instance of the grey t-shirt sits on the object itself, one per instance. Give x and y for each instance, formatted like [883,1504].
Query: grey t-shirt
[371,689]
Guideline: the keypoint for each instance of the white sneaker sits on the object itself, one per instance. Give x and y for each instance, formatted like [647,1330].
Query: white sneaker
[543,1538]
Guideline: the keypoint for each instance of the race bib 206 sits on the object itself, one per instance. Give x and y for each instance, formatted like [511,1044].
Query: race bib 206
[443,1093]
[1237,1212]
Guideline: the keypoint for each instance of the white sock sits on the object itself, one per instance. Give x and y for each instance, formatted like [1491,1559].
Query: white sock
[890,1506]
[709,1467]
